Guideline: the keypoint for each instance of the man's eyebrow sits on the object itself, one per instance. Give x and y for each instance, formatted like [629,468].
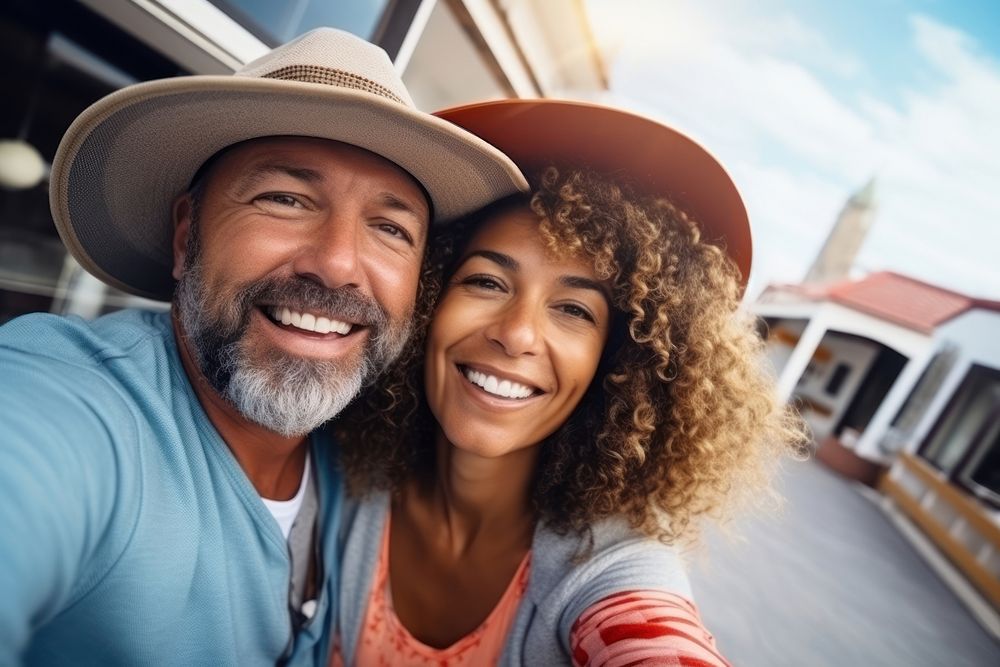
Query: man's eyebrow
[506,261]
[256,174]
[400,204]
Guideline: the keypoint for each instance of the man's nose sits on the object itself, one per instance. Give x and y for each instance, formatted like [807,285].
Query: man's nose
[517,328]
[331,253]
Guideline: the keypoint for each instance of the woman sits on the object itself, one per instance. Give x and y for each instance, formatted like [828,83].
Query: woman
[585,391]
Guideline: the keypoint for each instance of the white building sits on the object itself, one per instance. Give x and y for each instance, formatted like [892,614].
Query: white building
[900,382]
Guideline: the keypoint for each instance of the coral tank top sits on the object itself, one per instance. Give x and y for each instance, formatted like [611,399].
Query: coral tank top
[384,642]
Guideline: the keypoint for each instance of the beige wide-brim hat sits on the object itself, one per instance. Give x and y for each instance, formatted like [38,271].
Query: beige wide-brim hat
[126,158]
[651,157]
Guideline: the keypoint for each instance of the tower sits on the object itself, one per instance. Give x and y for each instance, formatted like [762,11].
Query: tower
[835,259]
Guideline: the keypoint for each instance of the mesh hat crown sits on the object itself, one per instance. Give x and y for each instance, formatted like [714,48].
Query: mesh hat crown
[126,158]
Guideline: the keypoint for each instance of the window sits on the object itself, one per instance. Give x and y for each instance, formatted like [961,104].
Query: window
[278,22]
[837,378]
[963,423]
[979,472]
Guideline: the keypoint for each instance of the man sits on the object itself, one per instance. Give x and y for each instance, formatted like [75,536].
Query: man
[165,497]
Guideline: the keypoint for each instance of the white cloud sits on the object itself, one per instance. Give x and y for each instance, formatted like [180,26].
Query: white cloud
[763,102]
[750,87]
[941,215]
[785,35]
[780,232]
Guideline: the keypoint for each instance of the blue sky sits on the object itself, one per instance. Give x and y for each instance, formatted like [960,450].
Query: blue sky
[805,101]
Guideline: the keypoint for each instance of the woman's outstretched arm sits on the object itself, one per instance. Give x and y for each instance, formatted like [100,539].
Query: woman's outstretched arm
[643,628]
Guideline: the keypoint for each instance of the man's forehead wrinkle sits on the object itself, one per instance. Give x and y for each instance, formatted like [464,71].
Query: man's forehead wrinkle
[252,177]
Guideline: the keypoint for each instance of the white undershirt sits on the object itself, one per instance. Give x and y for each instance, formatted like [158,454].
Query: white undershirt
[285,511]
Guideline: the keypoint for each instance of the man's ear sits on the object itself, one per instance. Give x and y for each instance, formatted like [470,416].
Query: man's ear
[183,207]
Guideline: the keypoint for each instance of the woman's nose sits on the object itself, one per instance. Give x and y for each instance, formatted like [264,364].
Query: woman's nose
[517,328]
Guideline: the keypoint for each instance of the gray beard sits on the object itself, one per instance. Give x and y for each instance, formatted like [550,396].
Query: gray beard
[284,393]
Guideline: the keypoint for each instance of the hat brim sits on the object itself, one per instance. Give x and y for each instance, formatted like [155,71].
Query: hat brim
[651,157]
[125,159]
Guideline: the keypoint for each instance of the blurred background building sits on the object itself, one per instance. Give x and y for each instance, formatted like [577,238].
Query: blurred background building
[899,381]
[62,55]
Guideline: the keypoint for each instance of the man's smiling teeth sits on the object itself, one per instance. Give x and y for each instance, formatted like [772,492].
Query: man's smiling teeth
[308,321]
[493,385]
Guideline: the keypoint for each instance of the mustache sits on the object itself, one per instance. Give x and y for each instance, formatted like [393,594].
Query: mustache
[297,293]
[217,324]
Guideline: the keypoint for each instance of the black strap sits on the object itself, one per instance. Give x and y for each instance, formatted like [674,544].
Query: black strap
[301,538]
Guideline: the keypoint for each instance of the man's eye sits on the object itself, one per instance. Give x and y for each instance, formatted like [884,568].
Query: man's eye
[280,199]
[396,231]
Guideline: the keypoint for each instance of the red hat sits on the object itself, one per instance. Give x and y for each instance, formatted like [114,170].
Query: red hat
[651,157]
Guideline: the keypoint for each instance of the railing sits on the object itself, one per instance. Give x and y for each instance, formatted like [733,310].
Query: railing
[958,525]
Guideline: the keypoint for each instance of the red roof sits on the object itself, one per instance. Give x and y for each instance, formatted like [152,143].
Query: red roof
[893,297]
[900,299]
[986,304]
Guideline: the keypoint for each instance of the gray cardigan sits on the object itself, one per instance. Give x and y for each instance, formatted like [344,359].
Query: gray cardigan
[559,590]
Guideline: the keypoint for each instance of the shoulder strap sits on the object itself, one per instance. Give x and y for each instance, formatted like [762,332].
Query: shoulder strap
[300,543]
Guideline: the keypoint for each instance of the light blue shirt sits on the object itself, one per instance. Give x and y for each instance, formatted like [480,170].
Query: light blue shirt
[129,534]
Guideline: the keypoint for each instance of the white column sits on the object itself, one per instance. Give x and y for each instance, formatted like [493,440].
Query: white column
[414,34]
[944,394]
[867,445]
[803,352]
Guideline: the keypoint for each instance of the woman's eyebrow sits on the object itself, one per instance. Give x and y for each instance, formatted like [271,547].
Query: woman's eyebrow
[506,261]
[579,282]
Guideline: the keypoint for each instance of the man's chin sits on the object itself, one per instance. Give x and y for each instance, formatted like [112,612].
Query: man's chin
[295,399]
[278,387]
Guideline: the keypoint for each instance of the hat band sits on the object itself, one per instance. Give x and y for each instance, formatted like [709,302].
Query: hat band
[332,77]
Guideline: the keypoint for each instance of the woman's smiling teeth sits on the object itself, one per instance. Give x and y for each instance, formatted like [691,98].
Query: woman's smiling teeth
[494,385]
[308,321]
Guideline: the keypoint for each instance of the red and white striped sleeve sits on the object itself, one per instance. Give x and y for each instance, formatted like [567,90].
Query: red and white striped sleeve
[643,628]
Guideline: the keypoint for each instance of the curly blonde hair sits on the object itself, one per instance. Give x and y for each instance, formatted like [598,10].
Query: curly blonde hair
[681,419]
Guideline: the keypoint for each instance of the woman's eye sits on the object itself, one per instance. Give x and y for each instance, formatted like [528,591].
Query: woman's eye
[576,311]
[483,282]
